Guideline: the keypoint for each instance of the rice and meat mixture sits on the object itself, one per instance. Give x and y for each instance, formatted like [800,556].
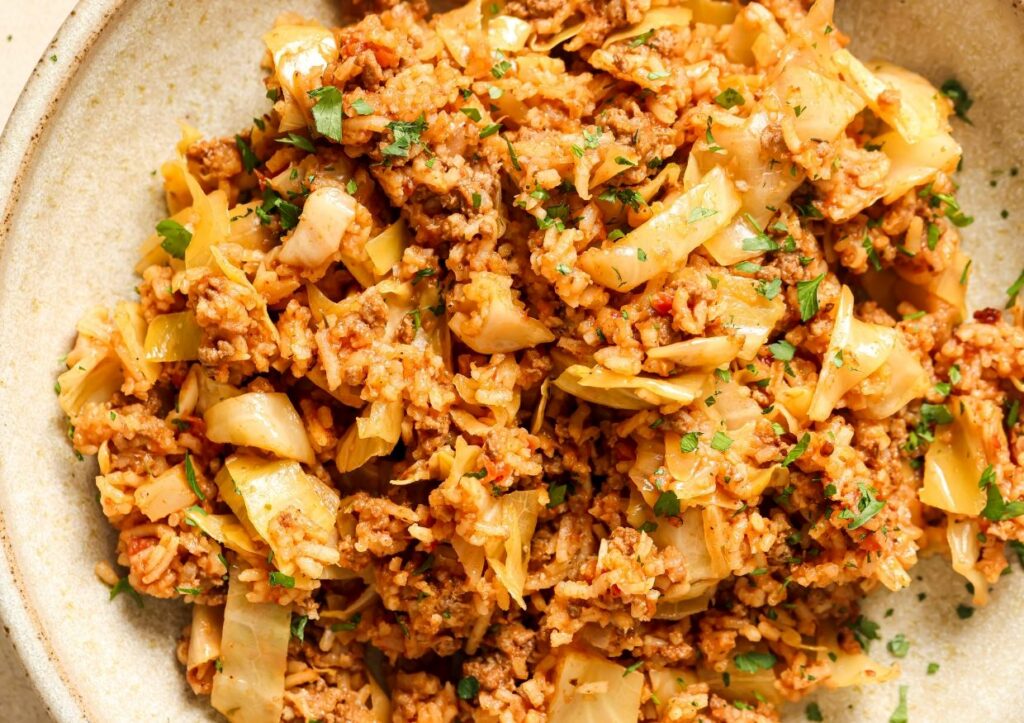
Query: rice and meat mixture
[553,361]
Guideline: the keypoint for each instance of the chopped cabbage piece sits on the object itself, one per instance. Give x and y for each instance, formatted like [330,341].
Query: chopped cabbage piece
[600,386]
[747,314]
[508,555]
[165,494]
[655,18]
[326,216]
[249,688]
[956,459]
[374,434]
[489,319]
[591,689]
[173,337]
[262,420]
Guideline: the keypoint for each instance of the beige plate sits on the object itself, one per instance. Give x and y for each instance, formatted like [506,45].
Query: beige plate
[78,192]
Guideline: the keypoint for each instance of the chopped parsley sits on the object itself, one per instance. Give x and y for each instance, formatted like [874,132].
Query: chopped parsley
[933,236]
[689,442]
[996,508]
[813,713]
[557,492]
[625,196]
[782,350]
[807,296]
[869,247]
[499,69]
[428,562]
[933,414]
[405,133]
[249,159]
[176,237]
[900,715]
[632,668]
[754,662]
[700,213]
[721,442]
[641,255]
[962,101]
[351,186]
[933,668]
[667,504]
[299,627]
[769,289]
[472,113]
[747,267]
[490,130]
[1014,290]
[123,586]
[327,112]
[468,688]
[300,142]
[513,157]
[288,212]
[864,631]
[899,646]
[279,579]
[964,611]
[641,39]
[349,625]
[798,449]
[867,507]
[361,107]
[729,98]
[190,477]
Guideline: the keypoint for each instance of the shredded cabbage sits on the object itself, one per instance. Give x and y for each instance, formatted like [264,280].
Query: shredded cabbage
[249,688]
[173,337]
[301,54]
[965,552]
[956,460]
[490,320]
[902,379]
[131,325]
[205,635]
[326,216]
[509,555]
[165,494]
[600,386]
[700,352]
[374,434]
[655,18]
[855,351]
[212,224]
[591,689]
[262,420]
[508,33]
[746,313]
[268,489]
[662,244]
[225,529]
[386,248]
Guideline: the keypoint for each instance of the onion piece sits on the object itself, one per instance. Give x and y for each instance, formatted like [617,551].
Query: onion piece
[262,420]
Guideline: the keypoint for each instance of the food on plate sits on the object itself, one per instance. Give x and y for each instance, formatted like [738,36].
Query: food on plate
[554,362]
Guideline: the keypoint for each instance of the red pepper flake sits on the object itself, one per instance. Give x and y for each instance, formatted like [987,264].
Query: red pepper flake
[662,303]
[988,315]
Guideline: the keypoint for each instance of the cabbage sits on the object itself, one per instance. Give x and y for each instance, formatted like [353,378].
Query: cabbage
[212,224]
[247,230]
[850,669]
[508,33]
[263,420]
[236,275]
[691,539]
[254,654]
[662,244]
[490,320]
[374,434]
[915,164]
[228,492]
[268,489]
[590,689]
[130,323]
[855,351]
[173,337]
[600,386]
[462,32]
[828,105]
[965,552]
[225,529]
[655,18]
[711,12]
[746,313]
[301,54]
[902,378]
[544,46]
[755,37]
[386,248]
[208,390]
[91,379]
[701,352]
[608,168]
[956,459]
[165,494]
[204,638]
[151,252]
[326,216]
[692,473]
[509,555]
[753,687]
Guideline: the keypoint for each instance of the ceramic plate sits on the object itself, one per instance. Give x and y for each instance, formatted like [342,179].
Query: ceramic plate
[78,191]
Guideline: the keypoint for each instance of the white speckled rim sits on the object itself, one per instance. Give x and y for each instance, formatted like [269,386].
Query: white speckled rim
[28,122]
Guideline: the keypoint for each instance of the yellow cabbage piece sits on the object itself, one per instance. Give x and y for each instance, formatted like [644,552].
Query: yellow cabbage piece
[655,18]
[543,46]
[268,488]
[225,529]
[489,319]
[850,669]
[128,320]
[94,374]
[204,638]
[855,351]
[249,688]
[212,224]
[828,104]
[463,35]
[165,494]
[747,314]
[374,434]
[591,689]
[662,244]
[326,216]
[301,54]
[508,33]
[711,12]
[509,555]
[173,337]
[262,420]
[236,275]
[701,352]
[904,380]
[386,248]
[956,460]
[691,539]
[912,165]
[600,386]
[965,551]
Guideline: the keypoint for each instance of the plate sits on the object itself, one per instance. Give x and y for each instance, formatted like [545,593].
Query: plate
[78,192]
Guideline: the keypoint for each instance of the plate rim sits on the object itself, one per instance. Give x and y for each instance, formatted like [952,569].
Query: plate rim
[37,104]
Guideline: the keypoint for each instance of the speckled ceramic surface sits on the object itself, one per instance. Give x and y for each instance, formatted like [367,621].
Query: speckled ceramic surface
[78,193]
